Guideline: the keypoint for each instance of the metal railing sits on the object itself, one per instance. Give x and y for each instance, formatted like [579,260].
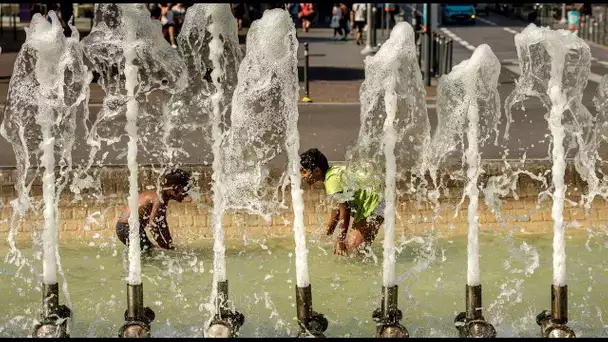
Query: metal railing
[441,53]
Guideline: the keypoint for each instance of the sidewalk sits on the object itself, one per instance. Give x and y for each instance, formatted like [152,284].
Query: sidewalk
[335,72]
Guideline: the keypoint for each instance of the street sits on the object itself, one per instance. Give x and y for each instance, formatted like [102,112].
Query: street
[337,68]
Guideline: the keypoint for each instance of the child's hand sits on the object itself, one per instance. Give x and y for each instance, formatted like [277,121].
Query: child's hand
[340,248]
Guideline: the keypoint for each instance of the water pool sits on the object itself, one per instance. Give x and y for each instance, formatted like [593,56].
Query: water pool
[516,278]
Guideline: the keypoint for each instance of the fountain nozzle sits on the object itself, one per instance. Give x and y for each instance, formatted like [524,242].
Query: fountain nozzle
[388,315]
[472,323]
[225,323]
[137,316]
[553,325]
[311,322]
[54,322]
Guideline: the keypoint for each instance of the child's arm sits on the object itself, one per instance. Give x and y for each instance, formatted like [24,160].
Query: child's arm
[158,226]
[161,234]
[339,215]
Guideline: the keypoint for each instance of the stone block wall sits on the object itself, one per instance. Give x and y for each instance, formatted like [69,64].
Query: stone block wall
[91,217]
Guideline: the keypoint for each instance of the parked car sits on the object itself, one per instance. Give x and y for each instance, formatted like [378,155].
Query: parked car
[482,8]
[458,13]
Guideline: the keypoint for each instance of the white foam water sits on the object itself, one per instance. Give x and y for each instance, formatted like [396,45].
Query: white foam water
[394,130]
[468,102]
[264,124]
[555,67]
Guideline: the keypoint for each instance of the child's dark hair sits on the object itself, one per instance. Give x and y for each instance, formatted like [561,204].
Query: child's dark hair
[312,159]
[177,178]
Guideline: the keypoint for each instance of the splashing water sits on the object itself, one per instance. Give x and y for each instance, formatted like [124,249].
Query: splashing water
[394,129]
[264,117]
[468,94]
[213,28]
[555,67]
[149,64]
[49,86]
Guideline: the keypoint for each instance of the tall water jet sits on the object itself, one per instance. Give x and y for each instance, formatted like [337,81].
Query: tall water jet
[394,131]
[555,67]
[468,100]
[49,88]
[209,43]
[126,44]
[263,125]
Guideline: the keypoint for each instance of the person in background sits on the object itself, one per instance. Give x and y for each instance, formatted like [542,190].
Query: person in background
[293,8]
[238,10]
[166,20]
[345,21]
[179,14]
[154,11]
[307,15]
[358,17]
[336,19]
[390,10]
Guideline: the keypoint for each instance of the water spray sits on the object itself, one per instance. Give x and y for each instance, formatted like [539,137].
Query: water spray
[471,323]
[388,315]
[54,323]
[553,324]
[226,323]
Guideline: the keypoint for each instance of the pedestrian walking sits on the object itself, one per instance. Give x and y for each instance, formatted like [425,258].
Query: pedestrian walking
[358,18]
[179,14]
[390,10]
[336,20]
[307,15]
[166,20]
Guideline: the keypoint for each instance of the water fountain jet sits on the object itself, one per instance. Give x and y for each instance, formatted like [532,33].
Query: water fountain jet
[394,131]
[564,61]
[469,101]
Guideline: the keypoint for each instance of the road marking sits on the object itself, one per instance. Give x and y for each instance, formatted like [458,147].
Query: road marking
[458,39]
[510,30]
[487,21]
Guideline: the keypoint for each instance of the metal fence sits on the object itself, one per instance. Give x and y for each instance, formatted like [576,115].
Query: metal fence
[441,53]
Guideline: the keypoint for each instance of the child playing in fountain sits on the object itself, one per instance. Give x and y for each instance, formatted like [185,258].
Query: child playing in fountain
[153,211]
[366,207]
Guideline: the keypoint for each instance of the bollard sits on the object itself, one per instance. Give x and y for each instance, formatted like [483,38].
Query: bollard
[450,49]
[306,97]
[92,22]
[1,23]
[439,56]
[15,27]
[419,45]
[586,34]
[596,33]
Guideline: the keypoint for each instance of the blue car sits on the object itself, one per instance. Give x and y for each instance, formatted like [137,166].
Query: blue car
[458,13]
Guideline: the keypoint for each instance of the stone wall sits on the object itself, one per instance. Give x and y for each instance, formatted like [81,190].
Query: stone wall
[189,221]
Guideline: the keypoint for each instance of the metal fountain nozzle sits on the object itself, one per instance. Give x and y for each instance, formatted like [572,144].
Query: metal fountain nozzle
[54,323]
[388,315]
[553,325]
[472,324]
[311,323]
[138,318]
[225,323]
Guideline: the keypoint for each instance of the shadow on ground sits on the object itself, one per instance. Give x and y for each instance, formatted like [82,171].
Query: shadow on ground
[331,74]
